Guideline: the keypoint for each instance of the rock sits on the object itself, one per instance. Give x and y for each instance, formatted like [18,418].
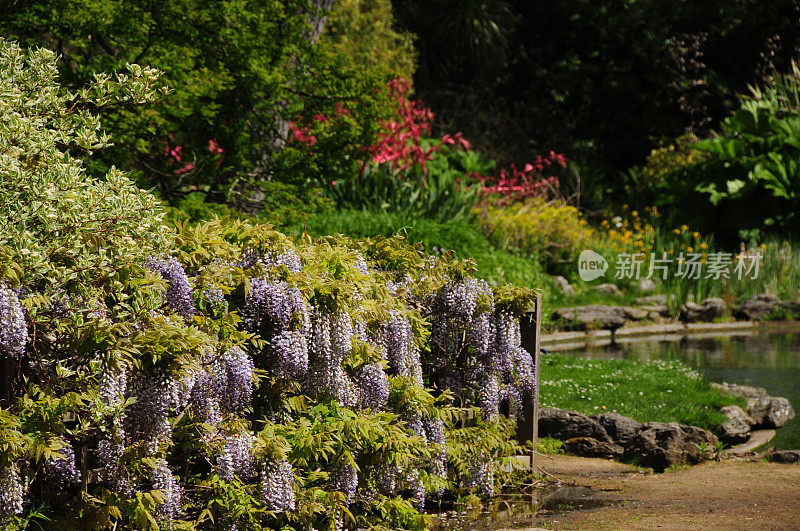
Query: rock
[631,313]
[565,425]
[564,285]
[590,447]
[708,311]
[791,309]
[658,309]
[589,317]
[608,289]
[757,308]
[658,445]
[785,456]
[647,285]
[744,391]
[771,412]
[620,429]
[737,428]
[660,300]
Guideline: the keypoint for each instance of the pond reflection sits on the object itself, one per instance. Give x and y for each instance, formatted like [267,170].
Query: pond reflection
[768,360]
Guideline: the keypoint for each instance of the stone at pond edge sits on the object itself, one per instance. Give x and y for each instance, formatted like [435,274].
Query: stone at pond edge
[653,444]
[770,412]
[757,308]
[785,456]
[565,425]
[737,428]
[658,445]
[564,285]
[711,309]
[620,429]
[744,391]
[593,316]
[590,447]
[660,300]
[608,289]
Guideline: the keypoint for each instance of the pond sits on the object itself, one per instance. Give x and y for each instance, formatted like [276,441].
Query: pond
[766,359]
[521,510]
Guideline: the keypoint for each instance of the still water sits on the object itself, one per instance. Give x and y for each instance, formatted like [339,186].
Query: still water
[768,360]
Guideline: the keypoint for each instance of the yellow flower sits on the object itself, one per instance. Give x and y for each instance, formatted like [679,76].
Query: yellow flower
[635,214]
[689,249]
[703,245]
[763,246]
[684,228]
[695,234]
[670,251]
[676,231]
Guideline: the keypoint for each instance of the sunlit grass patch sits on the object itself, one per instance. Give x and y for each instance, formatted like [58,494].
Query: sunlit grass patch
[662,391]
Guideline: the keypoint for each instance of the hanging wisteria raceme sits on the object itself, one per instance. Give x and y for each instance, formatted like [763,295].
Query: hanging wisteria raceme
[238,374]
[161,478]
[147,419]
[385,476]
[270,306]
[461,337]
[480,475]
[397,339]
[287,258]
[109,457]
[344,478]
[278,312]
[113,384]
[290,353]
[236,458]
[434,429]
[13,330]
[179,290]
[373,387]
[277,489]
[331,339]
[511,362]
[216,299]
[489,396]
[416,486]
[224,384]
[12,495]
[62,470]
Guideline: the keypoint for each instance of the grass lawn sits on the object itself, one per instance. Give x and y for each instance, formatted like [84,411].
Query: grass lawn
[663,391]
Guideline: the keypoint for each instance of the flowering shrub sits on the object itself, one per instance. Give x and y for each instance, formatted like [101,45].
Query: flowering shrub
[522,184]
[222,375]
[552,232]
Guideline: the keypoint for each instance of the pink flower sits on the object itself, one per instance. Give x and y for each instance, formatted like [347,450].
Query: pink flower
[214,147]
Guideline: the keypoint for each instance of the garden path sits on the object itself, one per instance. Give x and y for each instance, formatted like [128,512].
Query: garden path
[733,494]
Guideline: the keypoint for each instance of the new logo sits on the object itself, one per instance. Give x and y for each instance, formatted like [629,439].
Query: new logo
[591,265]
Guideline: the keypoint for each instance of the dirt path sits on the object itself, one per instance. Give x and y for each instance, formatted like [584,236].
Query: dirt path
[726,495]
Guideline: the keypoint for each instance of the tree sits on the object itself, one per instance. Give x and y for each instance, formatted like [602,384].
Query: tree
[239,71]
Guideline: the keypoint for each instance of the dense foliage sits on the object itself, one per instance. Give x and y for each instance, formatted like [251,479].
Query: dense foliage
[221,375]
[601,81]
[241,73]
[747,174]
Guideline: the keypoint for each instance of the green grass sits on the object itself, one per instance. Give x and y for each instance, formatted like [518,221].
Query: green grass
[463,237]
[549,446]
[662,391]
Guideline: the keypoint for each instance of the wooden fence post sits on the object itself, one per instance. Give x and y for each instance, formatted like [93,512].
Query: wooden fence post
[528,425]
